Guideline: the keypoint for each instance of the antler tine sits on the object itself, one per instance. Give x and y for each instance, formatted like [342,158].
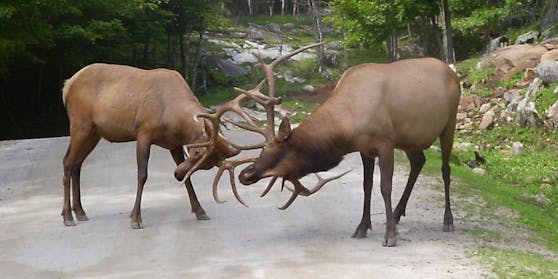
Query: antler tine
[269,186]
[229,166]
[303,191]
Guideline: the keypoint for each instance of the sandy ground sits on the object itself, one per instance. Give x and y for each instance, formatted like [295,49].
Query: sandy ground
[311,239]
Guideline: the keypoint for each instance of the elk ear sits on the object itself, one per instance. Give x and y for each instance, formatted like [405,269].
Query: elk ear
[284,130]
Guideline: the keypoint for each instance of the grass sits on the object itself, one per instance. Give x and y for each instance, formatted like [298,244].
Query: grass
[508,263]
[481,197]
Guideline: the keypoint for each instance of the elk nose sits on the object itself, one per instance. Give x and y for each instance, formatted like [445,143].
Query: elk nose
[246,176]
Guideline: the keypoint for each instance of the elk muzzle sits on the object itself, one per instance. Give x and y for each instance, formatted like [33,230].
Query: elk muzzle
[248,175]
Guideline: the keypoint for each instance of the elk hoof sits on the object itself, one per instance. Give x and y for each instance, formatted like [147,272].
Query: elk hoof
[448,228]
[202,217]
[82,216]
[361,231]
[390,242]
[136,225]
[69,223]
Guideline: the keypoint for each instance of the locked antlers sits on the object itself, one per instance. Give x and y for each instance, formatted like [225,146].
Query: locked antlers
[268,132]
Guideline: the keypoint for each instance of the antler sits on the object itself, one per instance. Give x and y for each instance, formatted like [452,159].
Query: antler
[303,191]
[268,132]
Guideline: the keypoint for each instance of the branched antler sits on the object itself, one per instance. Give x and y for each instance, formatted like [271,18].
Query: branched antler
[268,132]
[303,191]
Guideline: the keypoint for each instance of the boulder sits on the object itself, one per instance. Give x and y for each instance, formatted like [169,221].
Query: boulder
[517,148]
[547,71]
[552,115]
[527,38]
[487,120]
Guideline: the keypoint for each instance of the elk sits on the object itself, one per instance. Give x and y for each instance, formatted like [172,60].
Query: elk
[121,104]
[374,109]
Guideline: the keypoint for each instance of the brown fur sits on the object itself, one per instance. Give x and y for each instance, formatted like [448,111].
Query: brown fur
[123,103]
[374,109]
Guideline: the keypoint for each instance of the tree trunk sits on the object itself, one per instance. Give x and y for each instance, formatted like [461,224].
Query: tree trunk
[448,46]
[197,61]
[318,32]
[250,11]
[391,43]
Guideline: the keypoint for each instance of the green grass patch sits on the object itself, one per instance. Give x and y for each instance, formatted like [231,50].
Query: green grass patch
[508,263]
[545,98]
[302,109]
[497,191]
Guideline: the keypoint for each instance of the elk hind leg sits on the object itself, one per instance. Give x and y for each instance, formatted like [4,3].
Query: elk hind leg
[446,142]
[143,149]
[365,223]
[82,142]
[178,157]
[417,161]
[386,161]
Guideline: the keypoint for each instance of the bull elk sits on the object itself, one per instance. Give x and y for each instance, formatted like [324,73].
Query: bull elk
[374,109]
[121,104]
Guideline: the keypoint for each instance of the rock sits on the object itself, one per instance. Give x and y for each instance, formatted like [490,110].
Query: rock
[484,108]
[288,26]
[479,171]
[541,198]
[330,59]
[552,115]
[527,38]
[555,90]
[273,27]
[498,42]
[463,145]
[512,95]
[524,108]
[461,116]
[550,55]
[308,88]
[288,75]
[517,148]
[470,102]
[547,71]
[487,120]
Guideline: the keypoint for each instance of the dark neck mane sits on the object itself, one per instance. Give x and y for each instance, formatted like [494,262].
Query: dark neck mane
[319,147]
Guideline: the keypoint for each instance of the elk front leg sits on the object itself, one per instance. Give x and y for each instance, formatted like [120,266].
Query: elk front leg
[142,152]
[386,172]
[417,161]
[178,157]
[365,223]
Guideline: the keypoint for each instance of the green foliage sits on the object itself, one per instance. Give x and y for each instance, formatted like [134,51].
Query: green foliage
[509,263]
[546,98]
[475,16]
[512,82]
[480,76]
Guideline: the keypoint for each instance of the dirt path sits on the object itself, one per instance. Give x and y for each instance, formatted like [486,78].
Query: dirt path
[309,240]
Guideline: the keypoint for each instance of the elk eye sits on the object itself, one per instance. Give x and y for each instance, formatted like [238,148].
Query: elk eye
[197,152]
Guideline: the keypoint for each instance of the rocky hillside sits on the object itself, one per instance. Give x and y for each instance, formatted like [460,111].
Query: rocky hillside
[512,84]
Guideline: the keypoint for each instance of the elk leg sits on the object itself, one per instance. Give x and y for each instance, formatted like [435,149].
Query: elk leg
[142,152]
[82,142]
[365,223]
[178,156]
[76,195]
[446,143]
[386,172]
[417,161]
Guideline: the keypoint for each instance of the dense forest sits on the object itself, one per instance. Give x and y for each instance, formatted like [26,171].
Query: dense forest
[44,42]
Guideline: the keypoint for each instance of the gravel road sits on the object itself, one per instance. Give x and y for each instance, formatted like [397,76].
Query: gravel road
[311,239]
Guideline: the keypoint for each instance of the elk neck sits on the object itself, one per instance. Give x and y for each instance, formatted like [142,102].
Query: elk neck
[319,146]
